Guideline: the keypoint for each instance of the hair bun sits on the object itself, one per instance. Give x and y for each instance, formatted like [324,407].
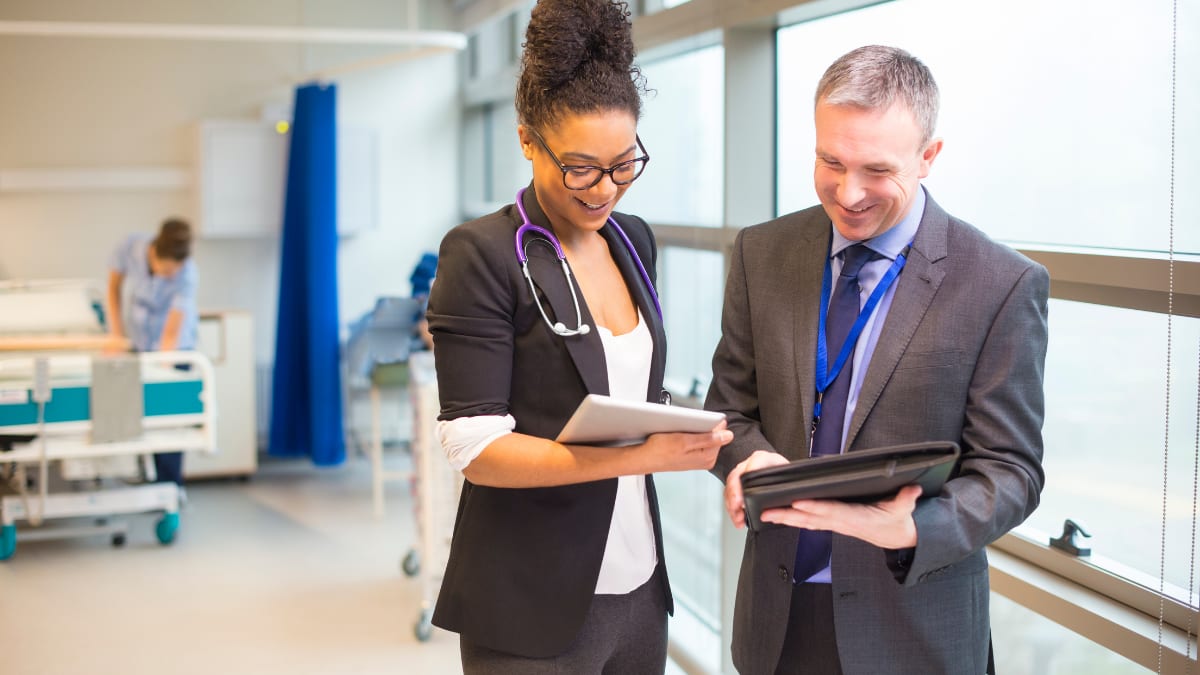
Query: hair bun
[569,36]
[578,55]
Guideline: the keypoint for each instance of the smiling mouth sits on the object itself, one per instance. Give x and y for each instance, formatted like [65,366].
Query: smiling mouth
[590,206]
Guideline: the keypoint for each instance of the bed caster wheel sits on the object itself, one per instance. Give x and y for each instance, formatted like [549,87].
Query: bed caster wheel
[424,628]
[8,541]
[166,528]
[411,563]
[118,540]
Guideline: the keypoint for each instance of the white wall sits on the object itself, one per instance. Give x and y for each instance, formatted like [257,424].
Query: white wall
[111,103]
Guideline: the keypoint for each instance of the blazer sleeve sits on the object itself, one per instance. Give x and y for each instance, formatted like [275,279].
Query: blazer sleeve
[471,309]
[1000,479]
[734,387]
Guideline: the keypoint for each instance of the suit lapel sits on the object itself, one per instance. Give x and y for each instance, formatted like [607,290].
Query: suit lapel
[587,352]
[813,250]
[915,289]
[641,296]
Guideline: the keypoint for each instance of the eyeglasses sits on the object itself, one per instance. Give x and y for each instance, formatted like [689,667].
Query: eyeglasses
[584,177]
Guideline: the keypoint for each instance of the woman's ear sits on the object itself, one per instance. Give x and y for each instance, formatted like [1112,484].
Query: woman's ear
[526,140]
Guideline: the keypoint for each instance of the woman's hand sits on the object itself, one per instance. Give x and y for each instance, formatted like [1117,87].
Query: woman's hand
[685,452]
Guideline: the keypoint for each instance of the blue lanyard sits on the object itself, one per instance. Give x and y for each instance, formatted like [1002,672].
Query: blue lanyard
[824,379]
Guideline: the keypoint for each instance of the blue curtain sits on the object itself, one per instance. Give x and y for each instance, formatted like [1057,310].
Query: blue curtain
[306,405]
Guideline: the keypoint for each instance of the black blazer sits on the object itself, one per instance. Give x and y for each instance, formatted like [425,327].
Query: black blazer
[524,562]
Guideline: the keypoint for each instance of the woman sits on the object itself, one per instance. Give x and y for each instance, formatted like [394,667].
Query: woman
[159,278]
[556,563]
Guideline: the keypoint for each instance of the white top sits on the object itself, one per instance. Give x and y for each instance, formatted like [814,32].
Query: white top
[630,555]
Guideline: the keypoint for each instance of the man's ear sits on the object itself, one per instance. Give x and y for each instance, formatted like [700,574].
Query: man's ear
[929,154]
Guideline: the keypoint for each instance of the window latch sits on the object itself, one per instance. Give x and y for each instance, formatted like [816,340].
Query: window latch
[1067,541]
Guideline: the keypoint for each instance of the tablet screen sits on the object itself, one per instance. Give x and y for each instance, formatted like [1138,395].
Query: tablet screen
[603,420]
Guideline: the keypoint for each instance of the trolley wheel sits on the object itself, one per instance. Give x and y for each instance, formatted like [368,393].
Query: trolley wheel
[411,563]
[118,539]
[166,528]
[424,628]
[8,541]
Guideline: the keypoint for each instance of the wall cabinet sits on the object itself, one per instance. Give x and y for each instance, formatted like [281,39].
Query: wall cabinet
[241,177]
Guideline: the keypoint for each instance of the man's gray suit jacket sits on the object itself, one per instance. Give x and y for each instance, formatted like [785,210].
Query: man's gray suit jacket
[960,358]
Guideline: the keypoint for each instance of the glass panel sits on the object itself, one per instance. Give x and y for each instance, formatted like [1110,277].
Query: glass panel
[1027,643]
[1105,395]
[655,6]
[510,170]
[1064,140]
[682,127]
[473,154]
[691,507]
[691,284]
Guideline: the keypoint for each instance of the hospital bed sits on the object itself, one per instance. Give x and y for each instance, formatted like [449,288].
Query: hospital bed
[65,405]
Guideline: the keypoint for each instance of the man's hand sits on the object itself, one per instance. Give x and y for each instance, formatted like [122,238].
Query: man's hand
[886,524]
[733,482]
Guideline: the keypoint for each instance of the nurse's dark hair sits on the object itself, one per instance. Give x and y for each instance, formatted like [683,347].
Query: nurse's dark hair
[174,240]
[577,59]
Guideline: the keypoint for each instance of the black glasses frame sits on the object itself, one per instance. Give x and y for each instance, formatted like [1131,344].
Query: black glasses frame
[644,159]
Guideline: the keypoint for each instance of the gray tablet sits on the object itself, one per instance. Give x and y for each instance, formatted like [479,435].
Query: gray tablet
[602,420]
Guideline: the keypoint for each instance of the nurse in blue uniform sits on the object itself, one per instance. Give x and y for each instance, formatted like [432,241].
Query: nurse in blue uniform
[152,303]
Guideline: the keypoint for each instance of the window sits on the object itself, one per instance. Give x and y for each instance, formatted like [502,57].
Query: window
[510,170]
[473,173]
[692,285]
[1051,136]
[1027,643]
[682,128]
[653,6]
[681,125]
[1104,435]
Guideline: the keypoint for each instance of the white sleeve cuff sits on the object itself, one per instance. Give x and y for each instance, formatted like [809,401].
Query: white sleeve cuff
[463,439]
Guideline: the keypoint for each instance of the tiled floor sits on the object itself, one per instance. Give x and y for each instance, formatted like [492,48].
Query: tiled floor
[287,573]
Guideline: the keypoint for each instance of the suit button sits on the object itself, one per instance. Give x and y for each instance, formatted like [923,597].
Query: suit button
[783,573]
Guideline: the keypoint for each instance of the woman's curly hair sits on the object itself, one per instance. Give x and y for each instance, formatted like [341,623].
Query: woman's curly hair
[578,58]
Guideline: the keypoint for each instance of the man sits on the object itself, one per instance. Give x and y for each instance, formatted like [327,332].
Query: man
[952,349]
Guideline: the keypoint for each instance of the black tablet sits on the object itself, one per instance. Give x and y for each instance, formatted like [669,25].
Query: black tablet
[860,476]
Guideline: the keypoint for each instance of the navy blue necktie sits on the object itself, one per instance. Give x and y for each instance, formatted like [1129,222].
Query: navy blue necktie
[814,547]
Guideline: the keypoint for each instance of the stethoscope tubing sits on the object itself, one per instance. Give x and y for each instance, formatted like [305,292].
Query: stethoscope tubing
[521,243]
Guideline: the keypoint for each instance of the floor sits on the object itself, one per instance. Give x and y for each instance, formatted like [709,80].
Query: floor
[286,573]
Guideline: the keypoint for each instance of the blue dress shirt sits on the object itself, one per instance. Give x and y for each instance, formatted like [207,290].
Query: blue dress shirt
[888,245]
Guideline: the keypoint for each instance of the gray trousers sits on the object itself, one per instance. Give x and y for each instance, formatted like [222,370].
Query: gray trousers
[622,635]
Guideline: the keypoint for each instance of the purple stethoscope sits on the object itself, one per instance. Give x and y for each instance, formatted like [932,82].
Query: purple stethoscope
[522,243]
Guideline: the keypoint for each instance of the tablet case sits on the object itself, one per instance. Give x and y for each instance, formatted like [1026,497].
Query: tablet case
[860,476]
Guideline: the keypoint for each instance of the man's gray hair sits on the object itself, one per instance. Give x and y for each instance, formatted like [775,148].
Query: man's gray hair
[875,77]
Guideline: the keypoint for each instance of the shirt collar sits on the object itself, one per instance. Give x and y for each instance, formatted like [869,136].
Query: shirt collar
[890,243]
